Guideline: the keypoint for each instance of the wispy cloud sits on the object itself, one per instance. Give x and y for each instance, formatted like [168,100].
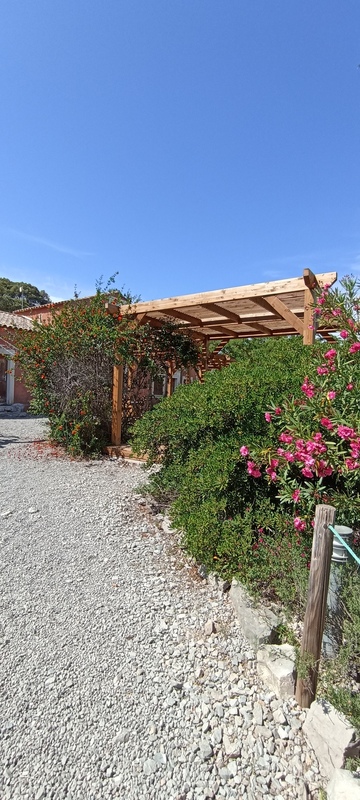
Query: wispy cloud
[60,248]
[342,261]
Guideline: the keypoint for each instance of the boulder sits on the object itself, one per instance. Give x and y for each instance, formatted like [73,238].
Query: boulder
[259,624]
[329,733]
[343,786]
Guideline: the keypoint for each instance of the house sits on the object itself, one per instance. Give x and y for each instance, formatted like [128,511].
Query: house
[12,387]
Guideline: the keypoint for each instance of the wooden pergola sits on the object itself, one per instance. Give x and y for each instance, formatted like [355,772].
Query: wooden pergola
[274,308]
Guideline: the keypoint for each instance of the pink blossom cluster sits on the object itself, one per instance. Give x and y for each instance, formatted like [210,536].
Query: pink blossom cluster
[308,388]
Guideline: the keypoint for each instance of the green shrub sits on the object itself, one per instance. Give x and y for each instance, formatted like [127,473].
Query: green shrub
[215,502]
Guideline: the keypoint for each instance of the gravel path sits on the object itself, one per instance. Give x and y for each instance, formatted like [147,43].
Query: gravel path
[109,685]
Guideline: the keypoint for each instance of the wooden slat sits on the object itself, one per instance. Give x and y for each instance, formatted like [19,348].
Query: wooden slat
[182,315]
[116,423]
[261,328]
[222,330]
[224,312]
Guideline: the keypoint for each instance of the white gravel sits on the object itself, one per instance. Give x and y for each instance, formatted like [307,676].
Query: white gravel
[109,685]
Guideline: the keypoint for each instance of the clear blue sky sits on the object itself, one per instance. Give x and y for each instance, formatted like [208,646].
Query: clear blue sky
[189,144]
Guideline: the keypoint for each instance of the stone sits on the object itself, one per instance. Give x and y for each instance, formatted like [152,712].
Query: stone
[209,627]
[258,624]
[121,737]
[149,766]
[205,749]
[258,714]
[276,667]
[160,758]
[33,510]
[232,749]
[343,786]
[329,733]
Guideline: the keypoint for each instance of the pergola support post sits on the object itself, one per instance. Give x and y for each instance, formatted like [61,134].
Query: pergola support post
[310,318]
[117,403]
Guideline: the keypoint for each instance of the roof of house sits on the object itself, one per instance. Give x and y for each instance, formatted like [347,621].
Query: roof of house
[8,320]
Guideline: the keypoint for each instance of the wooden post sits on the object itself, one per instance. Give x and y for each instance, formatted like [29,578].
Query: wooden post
[314,620]
[118,373]
[310,319]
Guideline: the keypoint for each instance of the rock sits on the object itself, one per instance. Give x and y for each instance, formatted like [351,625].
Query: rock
[33,510]
[343,786]
[276,667]
[202,571]
[160,758]
[117,779]
[217,735]
[224,773]
[258,624]
[329,733]
[209,627]
[258,714]
[149,766]
[231,748]
[205,749]
[121,737]
[40,793]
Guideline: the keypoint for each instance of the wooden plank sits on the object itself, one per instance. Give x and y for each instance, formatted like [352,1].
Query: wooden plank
[224,312]
[118,376]
[223,330]
[314,620]
[261,328]
[310,280]
[171,312]
[309,317]
[285,313]
[235,293]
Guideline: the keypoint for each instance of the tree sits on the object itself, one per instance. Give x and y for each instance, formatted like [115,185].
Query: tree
[16,294]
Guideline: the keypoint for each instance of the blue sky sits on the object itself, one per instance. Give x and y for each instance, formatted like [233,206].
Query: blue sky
[188,144]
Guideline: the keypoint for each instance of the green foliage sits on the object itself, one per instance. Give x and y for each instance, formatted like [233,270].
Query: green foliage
[315,455]
[215,502]
[11,298]
[68,365]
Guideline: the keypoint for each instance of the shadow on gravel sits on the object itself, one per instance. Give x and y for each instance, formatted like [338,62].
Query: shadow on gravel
[14,440]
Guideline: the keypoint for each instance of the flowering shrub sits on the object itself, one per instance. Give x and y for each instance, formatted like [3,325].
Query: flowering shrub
[315,455]
[68,365]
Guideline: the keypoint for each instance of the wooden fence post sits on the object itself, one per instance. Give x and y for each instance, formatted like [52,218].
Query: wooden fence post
[314,620]
[118,373]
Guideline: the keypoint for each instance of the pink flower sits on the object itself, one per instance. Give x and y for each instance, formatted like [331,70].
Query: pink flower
[336,312]
[322,370]
[277,411]
[331,395]
[323,469]
[280,451]
[345,433]
[350,386]
[307,472]
[326,423]
[351,463]
[244,450]
[344,334]
[253,470]
[267,416]
[295,495]
[285,437]
[321,301]
[317,437]
[354,347]
[289,456]
[271,473]
[330,354]
[299,524]
[308,388]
